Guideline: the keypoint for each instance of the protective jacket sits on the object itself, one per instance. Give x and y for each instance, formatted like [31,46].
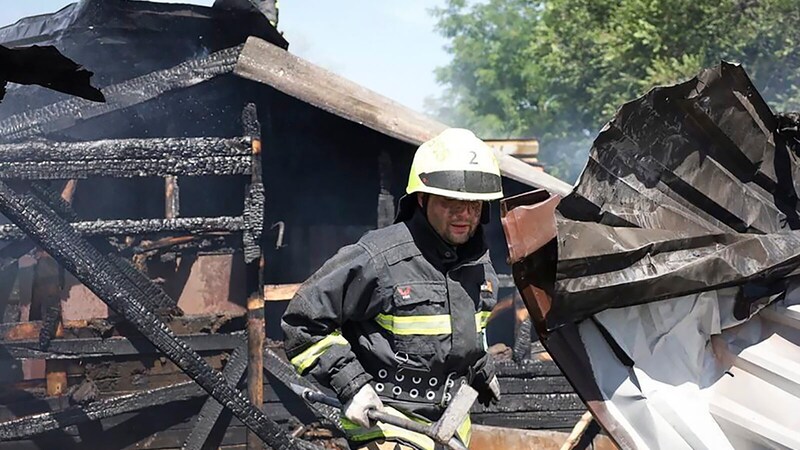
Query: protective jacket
[400,309]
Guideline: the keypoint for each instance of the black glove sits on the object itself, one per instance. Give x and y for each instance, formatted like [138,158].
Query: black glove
[484,380]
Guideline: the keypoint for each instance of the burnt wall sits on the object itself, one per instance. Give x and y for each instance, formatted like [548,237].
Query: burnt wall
[322,173]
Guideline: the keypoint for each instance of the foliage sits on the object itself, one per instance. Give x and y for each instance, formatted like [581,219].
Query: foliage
[558,69]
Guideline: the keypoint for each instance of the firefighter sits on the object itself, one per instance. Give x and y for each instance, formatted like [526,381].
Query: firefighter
[397,320]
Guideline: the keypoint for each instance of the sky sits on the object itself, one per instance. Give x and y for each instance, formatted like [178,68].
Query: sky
[389,46]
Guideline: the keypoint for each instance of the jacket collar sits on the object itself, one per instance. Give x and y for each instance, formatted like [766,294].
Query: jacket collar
[438,252]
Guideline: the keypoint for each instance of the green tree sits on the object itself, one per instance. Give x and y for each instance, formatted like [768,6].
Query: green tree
[558,69]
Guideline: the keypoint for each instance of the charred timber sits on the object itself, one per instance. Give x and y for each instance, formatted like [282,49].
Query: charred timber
[254,202]
[126,168]
[94,270]
[67,113]
[534,402]
[286,374]
[211,409]
[82,348]
[40,423]
[75,329]
[124,149]
[546,420]
[11,252]
[201,243]
[158,300]
[55,200]
[527,368]
[143,226]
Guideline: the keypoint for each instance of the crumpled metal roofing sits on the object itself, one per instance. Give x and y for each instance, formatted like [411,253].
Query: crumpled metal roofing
[689,188]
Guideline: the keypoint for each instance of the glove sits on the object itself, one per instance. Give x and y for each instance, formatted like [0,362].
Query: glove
[365,399]
[485,382]
[490,395]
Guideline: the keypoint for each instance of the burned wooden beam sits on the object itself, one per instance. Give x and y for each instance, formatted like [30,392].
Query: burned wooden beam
[534,402]
[124,149]
[127,168]
[157,299]
[254,258]
[94,270]
[527,368]
[46,301]
[211,409]
[11,252]
[113,346]
[67,113]
[97,328]
[142,226]
[255,197]
[547,420]
[535,385]
[256,331]
[286,374]
[214,242]
[40,423]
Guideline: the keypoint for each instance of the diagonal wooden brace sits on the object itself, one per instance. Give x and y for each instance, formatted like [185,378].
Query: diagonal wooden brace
[105,280]
[211,409]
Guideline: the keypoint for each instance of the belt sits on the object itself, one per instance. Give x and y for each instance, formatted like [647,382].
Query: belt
[413,386]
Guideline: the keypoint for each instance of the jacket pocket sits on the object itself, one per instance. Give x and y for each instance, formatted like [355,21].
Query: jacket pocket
[420,298]
[419,321]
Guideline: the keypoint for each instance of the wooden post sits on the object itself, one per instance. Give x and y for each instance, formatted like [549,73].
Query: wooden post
[56,372]
[68,193]
[254,259]
[256,331]
[577,432]
[46,301]
[172,197]
[47,290]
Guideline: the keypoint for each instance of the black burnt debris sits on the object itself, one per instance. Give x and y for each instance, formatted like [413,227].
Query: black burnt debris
[47,67]
[67,113]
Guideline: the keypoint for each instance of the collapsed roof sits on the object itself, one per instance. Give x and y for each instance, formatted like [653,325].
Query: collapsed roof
[648,281]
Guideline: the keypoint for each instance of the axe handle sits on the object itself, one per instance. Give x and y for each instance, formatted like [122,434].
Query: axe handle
[379,416]
[401,422]
[453,443]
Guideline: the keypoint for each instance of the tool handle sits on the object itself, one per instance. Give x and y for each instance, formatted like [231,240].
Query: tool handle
[410,425]
[319,397]
[380,416]
[401,422]
[373,414]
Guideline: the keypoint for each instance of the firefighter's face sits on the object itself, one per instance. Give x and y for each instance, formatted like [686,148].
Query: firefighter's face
[454,220]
